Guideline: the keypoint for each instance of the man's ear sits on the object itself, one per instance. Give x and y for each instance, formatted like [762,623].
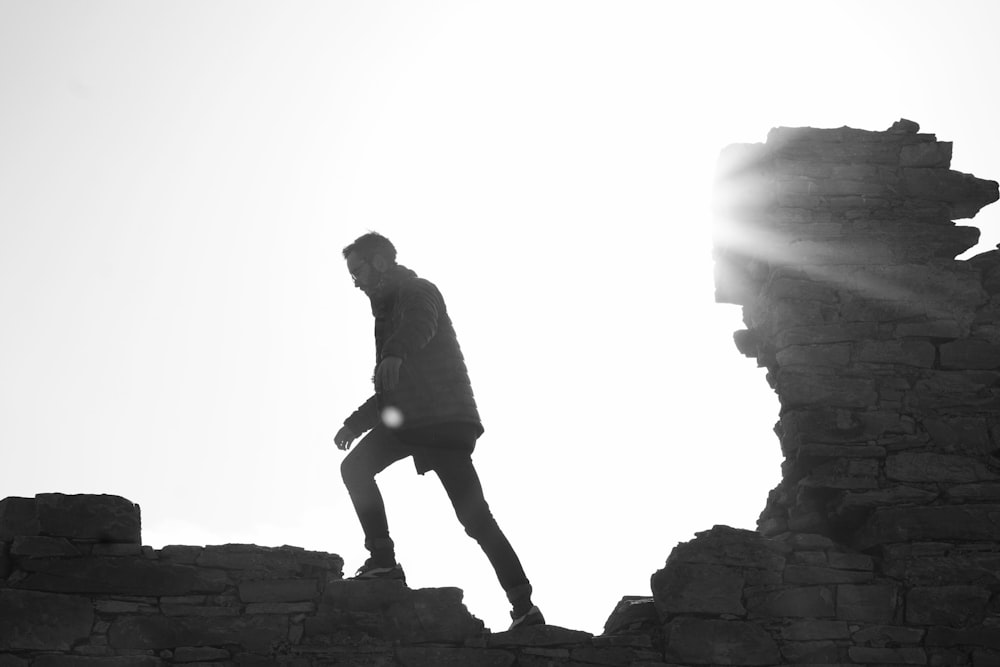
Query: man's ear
[380,263]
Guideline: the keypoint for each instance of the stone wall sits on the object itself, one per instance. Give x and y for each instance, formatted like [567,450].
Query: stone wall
[880,546]
[77,588]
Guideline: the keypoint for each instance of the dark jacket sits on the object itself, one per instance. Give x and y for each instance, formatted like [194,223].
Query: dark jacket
[412,323]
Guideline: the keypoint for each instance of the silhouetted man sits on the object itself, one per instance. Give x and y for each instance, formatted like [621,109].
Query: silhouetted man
[423,406]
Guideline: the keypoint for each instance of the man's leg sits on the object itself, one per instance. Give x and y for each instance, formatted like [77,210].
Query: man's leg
[461,482]
[376,452]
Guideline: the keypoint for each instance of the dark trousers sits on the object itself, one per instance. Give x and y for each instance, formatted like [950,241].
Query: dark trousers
[380,449]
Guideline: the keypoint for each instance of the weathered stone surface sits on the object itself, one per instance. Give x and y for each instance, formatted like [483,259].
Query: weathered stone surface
[909,524]
[731,547]
[38,546]
[33,620]
[18,517]
[984,637]
[124,576]
[453,657]
[913,655]
[279,590]
[103,518]
[255,633]
[929,154]
[631,612]
[873,603]
[803,575]
[835,354]
[719,642]
[956,606]
[103,661]
[887,635]
[970,354]
[796,388]
[910,353]
[815,630]
[932,467]
[402,614]
[792,602]
[538,636]
[199,654]
[959,434]
[278,562]
[685,588]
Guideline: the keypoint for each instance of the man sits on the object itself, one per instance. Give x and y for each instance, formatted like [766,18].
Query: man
[423,406]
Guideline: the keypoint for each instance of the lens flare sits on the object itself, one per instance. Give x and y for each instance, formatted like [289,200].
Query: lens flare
[392,417]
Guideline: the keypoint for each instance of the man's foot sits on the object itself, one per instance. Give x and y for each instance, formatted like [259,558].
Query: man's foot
[532,617]
[372,570]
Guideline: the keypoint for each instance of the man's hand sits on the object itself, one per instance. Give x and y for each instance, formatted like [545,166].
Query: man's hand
[387,374]
[344,438]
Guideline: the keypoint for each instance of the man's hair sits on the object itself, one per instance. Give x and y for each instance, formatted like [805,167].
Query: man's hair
[371,244]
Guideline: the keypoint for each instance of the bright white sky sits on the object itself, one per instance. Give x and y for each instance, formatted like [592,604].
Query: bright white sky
[177,180]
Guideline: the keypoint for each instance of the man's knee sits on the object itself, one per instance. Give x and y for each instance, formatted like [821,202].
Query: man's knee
[352,472]
[477,520]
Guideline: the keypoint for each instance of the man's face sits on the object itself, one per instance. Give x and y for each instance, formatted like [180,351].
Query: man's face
[362,273]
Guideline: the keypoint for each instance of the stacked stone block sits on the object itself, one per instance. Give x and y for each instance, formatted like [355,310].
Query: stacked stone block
[78,589]
[884,350]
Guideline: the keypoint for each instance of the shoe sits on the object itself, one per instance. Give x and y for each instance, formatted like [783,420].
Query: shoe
[532,617]
[371,570]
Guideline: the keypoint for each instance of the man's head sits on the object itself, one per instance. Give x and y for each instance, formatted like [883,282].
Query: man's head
[368,258]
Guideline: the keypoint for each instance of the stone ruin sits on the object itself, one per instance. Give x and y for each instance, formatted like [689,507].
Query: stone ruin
[880,546]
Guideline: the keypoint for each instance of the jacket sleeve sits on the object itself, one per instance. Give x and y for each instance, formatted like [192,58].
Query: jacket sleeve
[420,305]
[365,418]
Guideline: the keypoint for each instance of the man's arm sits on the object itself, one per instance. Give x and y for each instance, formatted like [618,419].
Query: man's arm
[363,419]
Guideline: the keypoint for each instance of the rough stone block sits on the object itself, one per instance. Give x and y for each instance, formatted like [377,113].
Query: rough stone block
[904,352]
[796,388]
[814,630]
[101,661]
[837,332]
[812,653]
[122,576]
[200,654]
[928,154]
[835,354]
[538,636]
[965,193]
[629,612]
[912,655]
[696,588]
[278,562]
[890,525]
[44,621]
[18,517]
[956,606]
[959,434]
[403,614]
[412,656]
[792,602]
[981,637]
[802,575]
[873,603]
[970,353]
[102,518]
[255,633]
[279,590]
[887,635]
[954,389]
[38,546]
[733,547]
[937,468]
[700,641]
